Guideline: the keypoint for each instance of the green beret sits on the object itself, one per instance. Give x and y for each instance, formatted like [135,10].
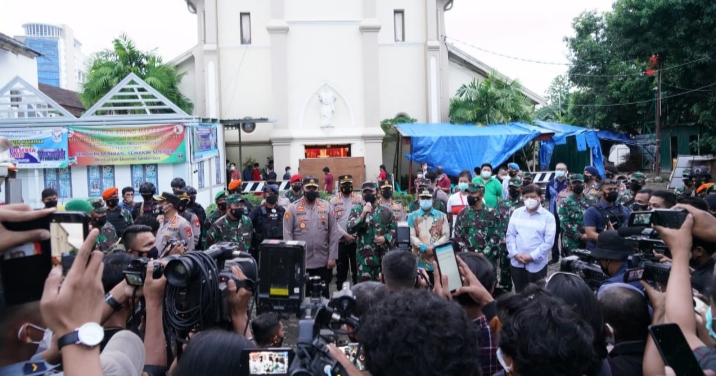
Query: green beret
[475,188]
[527,175]
[515,182]
[576,177]
[234,199]
[221,194]
[79,206]
[638,176]
[687,172]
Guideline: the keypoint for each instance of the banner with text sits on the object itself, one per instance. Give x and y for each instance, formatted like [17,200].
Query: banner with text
[42,148]
[204,141]
[125,146]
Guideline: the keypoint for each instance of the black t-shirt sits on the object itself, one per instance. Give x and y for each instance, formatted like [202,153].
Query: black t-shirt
[702,276]
[626,358]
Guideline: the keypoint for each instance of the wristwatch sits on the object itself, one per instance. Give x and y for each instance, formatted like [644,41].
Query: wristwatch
[90,335]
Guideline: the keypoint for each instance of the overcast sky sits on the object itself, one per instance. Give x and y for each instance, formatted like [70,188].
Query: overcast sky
[522,28]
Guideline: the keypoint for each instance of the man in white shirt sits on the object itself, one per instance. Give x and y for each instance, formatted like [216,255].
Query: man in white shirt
[530,235]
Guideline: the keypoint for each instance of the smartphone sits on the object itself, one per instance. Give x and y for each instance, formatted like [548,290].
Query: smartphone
[700,306]
[266,361]
[68,230]
[633,275]
[447,263]
[674,349]
[354,354]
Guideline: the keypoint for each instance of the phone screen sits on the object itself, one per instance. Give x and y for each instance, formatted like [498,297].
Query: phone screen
[66,238]
[269,362]
[352,353]
[674,349]
[447,263]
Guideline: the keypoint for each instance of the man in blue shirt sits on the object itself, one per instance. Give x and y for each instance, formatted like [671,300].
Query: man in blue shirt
[606,214]
[611,253]
[554,187]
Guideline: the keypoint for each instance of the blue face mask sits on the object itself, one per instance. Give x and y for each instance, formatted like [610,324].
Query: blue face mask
[709,323]
[559,174]
[426,204]
[462,186]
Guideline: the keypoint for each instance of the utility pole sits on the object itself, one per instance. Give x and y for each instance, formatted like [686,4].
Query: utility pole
[657,131]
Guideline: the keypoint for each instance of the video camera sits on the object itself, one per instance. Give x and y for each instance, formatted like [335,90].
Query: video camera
[581,265]
[136,272]
[644,267]
[282,268]
[640,234]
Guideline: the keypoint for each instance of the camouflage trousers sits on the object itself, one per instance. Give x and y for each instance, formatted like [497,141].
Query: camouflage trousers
[368,273]
[505,280]
[369,264]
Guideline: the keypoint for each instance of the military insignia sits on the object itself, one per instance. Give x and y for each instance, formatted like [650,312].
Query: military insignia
[188,231]
[339,214]
[302,225]
[323,223]
[196,221]
[321,208]
[300,208]
[287,215]
[323,216]
[312,182]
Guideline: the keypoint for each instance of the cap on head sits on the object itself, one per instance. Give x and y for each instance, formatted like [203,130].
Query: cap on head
[79,206]
[369,185]
[110,193]
[576,178]
[235,199]
[686,173]
[221,195]
[97,205]
[168,197]
[345,179]
[514,166]
[610,246]
[527,175]
[183,196]
[611,169]
[638,176]
[425,192]
[270,188]
[475,188]
[310,181]
[385,184]
[593,171]
[178,182]
[515,182]
[296,178]
[190,190]
[147,188]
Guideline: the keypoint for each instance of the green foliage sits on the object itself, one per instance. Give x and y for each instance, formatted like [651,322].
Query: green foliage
[559,102]
[490,101]
[107,68]
[388,126]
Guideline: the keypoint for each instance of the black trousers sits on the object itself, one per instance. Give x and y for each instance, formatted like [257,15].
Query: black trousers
[346,260]
[521,277]
[555,246]
[326,276]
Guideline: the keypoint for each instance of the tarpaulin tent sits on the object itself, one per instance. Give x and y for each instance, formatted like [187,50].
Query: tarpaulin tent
[458,147]
[617,137]
[585,138]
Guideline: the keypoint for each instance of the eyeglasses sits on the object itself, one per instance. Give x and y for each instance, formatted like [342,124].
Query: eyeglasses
[564,273]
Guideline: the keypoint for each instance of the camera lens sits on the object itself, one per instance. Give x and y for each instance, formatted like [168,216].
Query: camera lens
[178,272]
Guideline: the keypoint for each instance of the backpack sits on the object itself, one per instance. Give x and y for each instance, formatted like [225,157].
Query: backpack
[617,219]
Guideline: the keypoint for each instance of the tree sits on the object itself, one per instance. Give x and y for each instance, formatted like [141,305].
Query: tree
[559,99]
[391,134]
[490,101]
[107,68]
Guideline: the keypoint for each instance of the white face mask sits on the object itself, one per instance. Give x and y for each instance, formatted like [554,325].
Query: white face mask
[531,203]
[46,341]
[486,174]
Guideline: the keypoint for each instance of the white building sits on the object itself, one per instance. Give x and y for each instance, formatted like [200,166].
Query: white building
[62,63]
[327,71]
[17,59]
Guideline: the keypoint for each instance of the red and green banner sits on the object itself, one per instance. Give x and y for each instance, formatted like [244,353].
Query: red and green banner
[125,146]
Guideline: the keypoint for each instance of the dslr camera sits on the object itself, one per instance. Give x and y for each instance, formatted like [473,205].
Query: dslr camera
[583,265]
[136,272]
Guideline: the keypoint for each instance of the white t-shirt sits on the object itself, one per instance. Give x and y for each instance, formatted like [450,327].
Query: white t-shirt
[457,201]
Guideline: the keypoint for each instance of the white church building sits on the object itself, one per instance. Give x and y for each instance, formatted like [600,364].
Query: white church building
[325,73]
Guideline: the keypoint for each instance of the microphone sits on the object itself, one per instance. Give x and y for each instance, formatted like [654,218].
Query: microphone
[633,231]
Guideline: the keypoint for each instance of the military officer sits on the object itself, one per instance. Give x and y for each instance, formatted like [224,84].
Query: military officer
[477,226]
[591,182]
[342,205]
[310,219]
[637,183]
[98,219]
[571,215]
[193,220]
[220,211]
[267,219]
[437,204]
[386,199]
[196,208]
[147,190]
[296,192]
[505,208]
[172,226]
[235,226]
[527,178]
[118,217]
[375,227]
[687,190]
[282,201]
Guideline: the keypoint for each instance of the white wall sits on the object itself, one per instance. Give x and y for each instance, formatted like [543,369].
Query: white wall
[12,65]
[188,82]
[460,75]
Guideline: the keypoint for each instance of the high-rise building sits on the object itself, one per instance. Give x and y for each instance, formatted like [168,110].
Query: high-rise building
[62,63]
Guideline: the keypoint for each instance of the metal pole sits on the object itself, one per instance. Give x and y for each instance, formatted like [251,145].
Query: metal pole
[241,159]
[657,131]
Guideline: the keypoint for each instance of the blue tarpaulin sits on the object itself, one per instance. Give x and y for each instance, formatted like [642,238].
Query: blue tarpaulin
[460,147]
[616,137]
[561,132]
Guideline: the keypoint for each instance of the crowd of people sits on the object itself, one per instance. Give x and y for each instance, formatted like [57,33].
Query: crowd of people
[509,317]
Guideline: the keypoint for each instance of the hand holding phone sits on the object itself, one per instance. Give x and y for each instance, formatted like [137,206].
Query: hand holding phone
[675,350]
[447,265]
[15,228]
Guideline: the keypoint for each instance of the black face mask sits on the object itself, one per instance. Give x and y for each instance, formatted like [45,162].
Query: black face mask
[311,196]
[296,188]
[147,198]
[514,193]
[237,213]
[50,204]
[181,208]
[688,182]
[192,200]
[272,199]
[152,253]
[100,222]
[588,177]
[526,183]
[159,210]
[635,187]
[369,197]
[471,201]
[638,207]
[112,203]
[611,196]
[386,194]
[512,173]
[347,189]
[578,189]
[221,206]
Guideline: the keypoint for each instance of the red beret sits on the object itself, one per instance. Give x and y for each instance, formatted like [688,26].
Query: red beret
[109,192]
[234,185]
[296,178]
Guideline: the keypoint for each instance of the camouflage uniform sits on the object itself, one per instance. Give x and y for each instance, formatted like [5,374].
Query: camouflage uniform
[226,229]
[108,234]
[380,223]
[627,196]
[685,191]
[478,230]
[216,214]
[505,208]
[293,196]
[571,217]
[395,207]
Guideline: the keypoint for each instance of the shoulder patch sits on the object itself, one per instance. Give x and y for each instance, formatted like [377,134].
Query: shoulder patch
[188,231]
[287,215]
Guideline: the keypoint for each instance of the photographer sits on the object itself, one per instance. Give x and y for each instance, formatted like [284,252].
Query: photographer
[612,255]
[139,241]
[267,330]
[607,214]
[213,352]
[399,270]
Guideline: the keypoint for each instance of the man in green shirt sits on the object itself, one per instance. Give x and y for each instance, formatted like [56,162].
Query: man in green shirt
[493,187]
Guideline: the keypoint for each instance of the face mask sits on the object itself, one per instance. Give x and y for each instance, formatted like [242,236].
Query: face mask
[426,205]
[272,199]
[559,174]
[638,207]
[181,208]
[512,173]
[288,172]
[159,210]
[347,190]
[42,345]
[486,174]
[612,196]
[237,213]
[311,196]
[588,177]
[610,176]
[112,203]
[369,197]
[471,201]
[192,200]
[514,193]
[386,194]
[152,253]
[147,198]
[709,323]
[221,206]
[462,186]
[101,221]
[50,204]
[635,187]
[526,183]
[578,189]
[531,203]
[296,188]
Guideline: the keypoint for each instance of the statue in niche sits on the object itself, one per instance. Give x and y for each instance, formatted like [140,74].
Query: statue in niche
[328,106]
